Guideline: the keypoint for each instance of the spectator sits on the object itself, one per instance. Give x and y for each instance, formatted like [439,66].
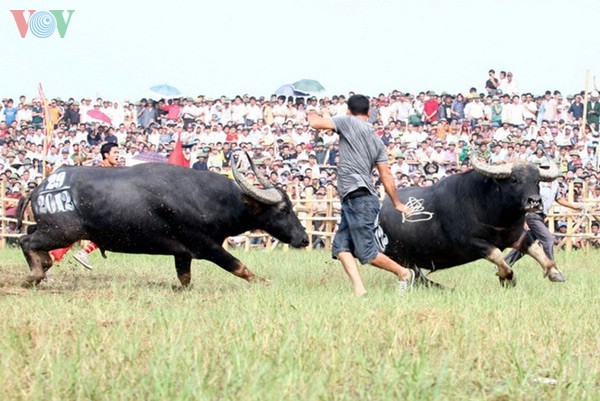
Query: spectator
[593,110]
[430,108]
[492,83]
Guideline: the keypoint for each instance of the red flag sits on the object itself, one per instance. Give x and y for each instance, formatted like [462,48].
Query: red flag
[177,157]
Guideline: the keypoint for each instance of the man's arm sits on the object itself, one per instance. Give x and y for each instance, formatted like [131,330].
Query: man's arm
[318,122]
[385,175]
[570,205]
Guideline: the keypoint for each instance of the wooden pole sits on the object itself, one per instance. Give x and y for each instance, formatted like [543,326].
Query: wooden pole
[585,101]
[329,214]
[571,197]
[309,202]
[48,127]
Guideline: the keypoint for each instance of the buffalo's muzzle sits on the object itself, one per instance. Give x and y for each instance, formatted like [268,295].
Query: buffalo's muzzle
[534,204]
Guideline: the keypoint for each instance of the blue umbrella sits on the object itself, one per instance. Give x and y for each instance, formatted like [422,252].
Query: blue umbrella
[288,90]
[308,85]
[165,90]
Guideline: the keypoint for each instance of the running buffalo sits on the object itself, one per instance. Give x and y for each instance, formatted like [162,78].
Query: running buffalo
[155,209]
[469,216]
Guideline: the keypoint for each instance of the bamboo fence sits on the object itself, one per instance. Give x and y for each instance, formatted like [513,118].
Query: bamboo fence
[320,216]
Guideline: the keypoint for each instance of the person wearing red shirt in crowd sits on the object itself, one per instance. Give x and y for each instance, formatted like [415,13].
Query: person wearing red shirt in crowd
[110,157]
[231,134]
[430,109]
[173,109]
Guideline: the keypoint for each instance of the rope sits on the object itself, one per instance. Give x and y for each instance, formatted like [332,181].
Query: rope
[419,212]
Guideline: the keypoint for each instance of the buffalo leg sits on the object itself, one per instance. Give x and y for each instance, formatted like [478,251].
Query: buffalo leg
[536,251]
[505,273]
[225,260]
[35,247]
[183,265]
[39,262]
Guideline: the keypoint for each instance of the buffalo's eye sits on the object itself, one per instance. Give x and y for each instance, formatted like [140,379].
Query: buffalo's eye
[285,210]
[514,180]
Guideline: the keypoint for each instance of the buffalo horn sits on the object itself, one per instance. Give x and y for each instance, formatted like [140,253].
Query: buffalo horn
[269,196]
[500,171]
[549,174]
[259,176]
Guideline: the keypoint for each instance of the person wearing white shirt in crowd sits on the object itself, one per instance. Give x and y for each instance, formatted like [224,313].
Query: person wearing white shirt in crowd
[562,109]
[474,110]
[549,106]
[502,82]
[400,165]
[438,156]
[280,111]
[423,152]
[385,112]
[253,111]
[238,111]
[86,105]
[505,103]
[300,135]
[452,137]
[64,159]
[215,111]
[529,107]
[107,109]
[403,109]
[189,112]
[341,108]
[419,103]
[204,112]
[497,156]
[515,112]
[226,113]
[25,114]
[522,152]
[589,155]
[117,114]
[502,133]
[411,137]
[121,134]
[510,88]
[531,130]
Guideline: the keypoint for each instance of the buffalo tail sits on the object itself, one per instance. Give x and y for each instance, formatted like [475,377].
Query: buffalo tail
[21,207]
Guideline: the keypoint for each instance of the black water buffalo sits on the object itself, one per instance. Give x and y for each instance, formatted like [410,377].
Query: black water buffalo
[469,216]
[155,209]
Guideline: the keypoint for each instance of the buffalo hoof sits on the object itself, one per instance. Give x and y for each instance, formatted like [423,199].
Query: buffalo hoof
[260,280]
[508,282]
[556,277]
[180,288]
[31,282]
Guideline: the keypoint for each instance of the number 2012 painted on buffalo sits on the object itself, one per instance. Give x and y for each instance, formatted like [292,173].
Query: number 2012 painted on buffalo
[55,197]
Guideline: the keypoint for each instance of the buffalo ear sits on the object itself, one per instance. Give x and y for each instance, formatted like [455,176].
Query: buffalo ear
[254,205]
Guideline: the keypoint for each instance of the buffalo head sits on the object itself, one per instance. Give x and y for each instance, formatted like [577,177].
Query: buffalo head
[274,213]
[518,181]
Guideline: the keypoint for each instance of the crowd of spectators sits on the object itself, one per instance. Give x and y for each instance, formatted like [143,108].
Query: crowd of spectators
[428,135]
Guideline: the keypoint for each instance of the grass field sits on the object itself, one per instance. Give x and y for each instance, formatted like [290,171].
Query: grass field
[120,332]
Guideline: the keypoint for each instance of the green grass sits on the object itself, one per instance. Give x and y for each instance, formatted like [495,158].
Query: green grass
[120,332]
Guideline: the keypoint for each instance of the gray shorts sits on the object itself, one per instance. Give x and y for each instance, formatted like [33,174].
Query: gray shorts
[355,233]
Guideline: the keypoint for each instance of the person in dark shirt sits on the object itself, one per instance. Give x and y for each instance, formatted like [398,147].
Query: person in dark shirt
[491,85]
[333,154]
[72,115]
[94,137]
[576,109]
[110,136]
[320,152]
[200,165]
